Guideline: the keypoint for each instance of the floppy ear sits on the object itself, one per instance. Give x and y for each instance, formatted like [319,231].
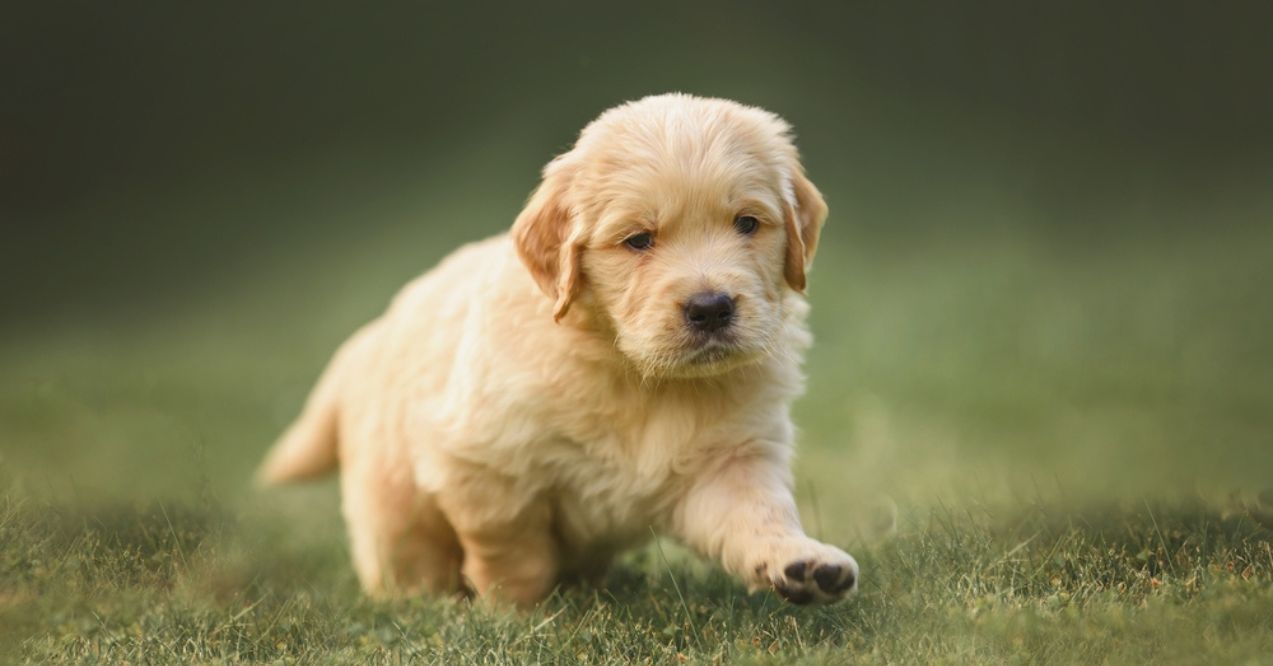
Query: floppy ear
[546,241]
[805,214]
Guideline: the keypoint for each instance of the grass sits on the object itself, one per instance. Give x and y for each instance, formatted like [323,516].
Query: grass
[160,582]
[1028,438]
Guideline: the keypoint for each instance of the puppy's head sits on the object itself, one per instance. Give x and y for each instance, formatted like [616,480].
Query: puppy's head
[682,220]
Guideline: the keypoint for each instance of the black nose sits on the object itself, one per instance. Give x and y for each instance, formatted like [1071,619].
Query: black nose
[709,311]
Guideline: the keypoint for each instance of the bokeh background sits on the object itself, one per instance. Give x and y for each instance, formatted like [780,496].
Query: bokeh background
[1046,270]
[1040,406]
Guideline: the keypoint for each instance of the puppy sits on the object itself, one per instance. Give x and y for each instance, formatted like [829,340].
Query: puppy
[623,361]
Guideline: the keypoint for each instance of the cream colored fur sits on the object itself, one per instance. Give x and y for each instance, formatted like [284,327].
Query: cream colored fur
[535,404]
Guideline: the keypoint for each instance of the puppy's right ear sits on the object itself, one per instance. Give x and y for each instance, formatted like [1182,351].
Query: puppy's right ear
[544,235]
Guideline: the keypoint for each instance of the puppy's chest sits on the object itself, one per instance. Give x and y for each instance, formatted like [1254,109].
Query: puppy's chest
[619,479]
[596,501]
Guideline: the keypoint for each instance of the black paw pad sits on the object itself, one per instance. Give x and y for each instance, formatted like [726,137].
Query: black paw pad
[796,570]
[828,577]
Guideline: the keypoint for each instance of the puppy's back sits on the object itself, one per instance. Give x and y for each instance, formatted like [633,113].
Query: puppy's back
[416,337]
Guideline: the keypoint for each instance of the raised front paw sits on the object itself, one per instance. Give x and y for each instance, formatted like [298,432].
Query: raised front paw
[808,572]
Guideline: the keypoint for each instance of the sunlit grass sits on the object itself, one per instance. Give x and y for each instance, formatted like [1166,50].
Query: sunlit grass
[174,582]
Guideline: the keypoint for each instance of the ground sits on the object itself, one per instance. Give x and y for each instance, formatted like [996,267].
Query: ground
[1040,446]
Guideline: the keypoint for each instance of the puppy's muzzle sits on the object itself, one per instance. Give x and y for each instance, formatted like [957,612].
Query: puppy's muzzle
[709,312]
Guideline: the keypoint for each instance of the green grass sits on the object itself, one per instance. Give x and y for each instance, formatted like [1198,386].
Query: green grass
[1031,583]
[1027,584]
[1056,420]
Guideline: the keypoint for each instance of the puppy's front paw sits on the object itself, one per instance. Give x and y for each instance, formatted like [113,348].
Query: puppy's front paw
[809,572]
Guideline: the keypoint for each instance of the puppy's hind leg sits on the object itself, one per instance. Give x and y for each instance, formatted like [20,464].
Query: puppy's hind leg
[511,553]
[400,542]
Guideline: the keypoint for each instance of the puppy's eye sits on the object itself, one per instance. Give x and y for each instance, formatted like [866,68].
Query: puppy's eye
[746,224]
[641,241]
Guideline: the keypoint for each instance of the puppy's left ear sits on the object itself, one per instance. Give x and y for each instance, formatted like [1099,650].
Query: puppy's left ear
[805,214]
[546,238]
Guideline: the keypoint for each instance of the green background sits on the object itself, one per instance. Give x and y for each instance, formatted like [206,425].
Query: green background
[1043,281]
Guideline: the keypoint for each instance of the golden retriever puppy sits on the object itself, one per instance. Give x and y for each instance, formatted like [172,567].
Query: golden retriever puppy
[621,362]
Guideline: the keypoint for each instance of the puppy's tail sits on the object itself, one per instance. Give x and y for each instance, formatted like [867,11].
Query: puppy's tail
[309,447]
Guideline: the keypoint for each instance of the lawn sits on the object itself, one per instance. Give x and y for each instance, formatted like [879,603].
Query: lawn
[1042,445]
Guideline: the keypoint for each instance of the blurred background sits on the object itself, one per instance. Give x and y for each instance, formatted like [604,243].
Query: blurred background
[1045,271]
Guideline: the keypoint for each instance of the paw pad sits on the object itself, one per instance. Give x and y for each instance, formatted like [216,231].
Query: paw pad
[806,580]
[834,579]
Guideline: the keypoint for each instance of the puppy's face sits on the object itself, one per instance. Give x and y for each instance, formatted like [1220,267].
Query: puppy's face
[686,258]
[684,220]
